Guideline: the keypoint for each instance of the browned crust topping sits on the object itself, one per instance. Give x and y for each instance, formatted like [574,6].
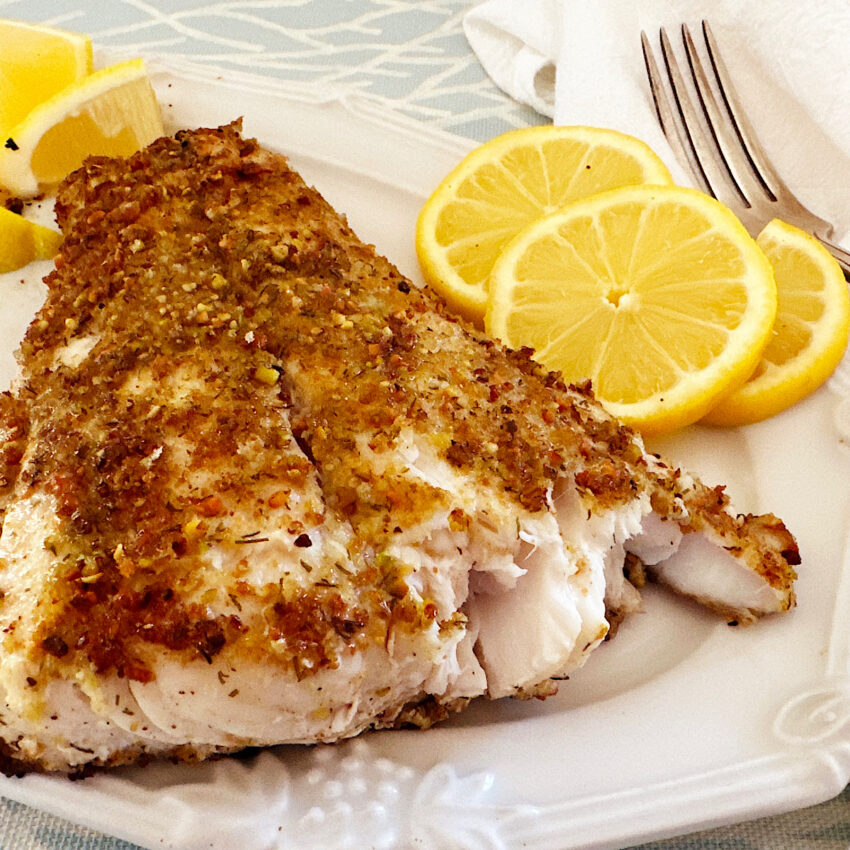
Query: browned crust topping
[233,316]
[11,202]
[763,542]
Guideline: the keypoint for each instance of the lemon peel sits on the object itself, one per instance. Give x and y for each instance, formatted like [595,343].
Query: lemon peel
[656,294]
[112,112]
[809,335]
[37,62]
[503,185]
[22,241]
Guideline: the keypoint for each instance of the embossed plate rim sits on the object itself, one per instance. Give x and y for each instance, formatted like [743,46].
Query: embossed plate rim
[470,783]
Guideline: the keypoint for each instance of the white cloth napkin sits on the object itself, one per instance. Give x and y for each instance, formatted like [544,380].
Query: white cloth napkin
[580,62]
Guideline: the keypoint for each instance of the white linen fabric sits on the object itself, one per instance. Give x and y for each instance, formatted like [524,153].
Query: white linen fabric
[580,62]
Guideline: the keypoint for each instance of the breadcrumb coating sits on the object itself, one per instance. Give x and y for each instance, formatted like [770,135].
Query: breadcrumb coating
[218,364]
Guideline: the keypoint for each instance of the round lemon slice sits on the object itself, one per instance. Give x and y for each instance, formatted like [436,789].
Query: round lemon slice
[36,63]
[509,182]
[658,295]
[809,335]
[22,241]
[112,112]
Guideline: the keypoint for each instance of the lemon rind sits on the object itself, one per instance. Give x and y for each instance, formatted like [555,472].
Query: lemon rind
[469,300]
[691,399]
[782,387]
[15,160]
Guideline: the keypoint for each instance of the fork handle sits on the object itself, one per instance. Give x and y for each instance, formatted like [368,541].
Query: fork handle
[840,254]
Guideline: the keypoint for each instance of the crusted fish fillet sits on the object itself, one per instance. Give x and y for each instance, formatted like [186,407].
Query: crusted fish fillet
[257,487]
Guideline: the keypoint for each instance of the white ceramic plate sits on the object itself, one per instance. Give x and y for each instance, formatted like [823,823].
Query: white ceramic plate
[680,723]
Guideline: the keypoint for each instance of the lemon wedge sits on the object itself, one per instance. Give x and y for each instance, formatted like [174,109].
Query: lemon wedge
[509,182]
[22,241]
[112,112]
[658,295]
[36,63]
[810,332]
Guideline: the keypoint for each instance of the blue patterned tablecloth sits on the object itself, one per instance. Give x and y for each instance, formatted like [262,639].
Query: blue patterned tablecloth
[412,54]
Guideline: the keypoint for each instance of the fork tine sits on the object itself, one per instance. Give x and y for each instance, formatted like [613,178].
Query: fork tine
[728,155]
[724,129]
[760,166]
[683,129]
[666,118]
[758,161]
[711,165]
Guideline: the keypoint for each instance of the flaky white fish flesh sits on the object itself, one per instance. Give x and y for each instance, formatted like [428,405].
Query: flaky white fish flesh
[257,487]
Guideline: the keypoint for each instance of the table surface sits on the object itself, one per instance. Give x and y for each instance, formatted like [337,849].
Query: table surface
[411,55]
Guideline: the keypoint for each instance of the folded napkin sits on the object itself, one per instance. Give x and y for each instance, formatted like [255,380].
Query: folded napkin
[580,62]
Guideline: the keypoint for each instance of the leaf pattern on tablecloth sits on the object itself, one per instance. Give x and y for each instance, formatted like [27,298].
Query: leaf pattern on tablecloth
[411,54]
[25,828]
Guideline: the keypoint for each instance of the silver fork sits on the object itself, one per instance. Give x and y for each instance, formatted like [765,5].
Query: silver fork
[717,144]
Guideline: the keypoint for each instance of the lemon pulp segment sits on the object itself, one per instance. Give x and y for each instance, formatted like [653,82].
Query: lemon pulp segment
[22,241]
[36,62]
[655,294]
[809,335]
[509,182]
[112,112]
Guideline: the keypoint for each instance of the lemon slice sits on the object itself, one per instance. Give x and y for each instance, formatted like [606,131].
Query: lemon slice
[35,63]
[809,334]
[509,182]
[113,112]
[656,294]
[22,241]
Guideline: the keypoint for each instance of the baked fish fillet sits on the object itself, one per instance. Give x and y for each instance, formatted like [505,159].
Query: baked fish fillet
[257,487]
